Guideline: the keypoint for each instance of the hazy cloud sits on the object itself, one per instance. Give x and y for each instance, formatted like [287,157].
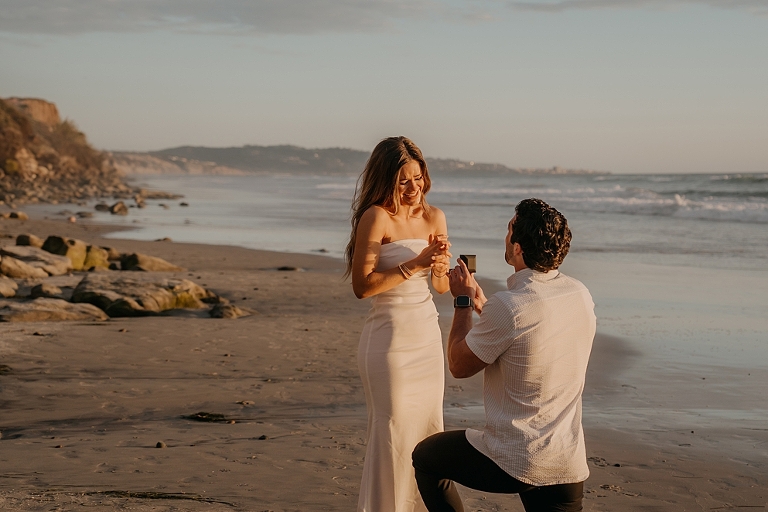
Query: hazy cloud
[232,16]
[288,16]
[755,6]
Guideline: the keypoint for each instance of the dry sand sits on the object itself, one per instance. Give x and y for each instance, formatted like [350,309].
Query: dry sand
[84,405]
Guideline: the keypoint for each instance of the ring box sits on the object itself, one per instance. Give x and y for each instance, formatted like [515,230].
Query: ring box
[470,261]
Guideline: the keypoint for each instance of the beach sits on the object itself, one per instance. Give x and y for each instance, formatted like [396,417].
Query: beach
[86,404]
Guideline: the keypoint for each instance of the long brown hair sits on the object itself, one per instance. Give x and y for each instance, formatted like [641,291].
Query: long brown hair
[377,185]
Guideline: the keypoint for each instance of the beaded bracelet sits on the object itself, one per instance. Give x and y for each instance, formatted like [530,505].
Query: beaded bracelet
[405,271]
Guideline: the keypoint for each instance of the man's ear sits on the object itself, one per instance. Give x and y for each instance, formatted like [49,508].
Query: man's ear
[516,249]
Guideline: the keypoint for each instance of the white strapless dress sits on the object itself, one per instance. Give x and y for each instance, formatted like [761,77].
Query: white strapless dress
[400,357]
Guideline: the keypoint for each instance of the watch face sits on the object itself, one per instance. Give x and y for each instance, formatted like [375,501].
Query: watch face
[463,301]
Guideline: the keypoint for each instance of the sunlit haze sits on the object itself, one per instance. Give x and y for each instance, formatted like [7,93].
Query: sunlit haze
[626,86]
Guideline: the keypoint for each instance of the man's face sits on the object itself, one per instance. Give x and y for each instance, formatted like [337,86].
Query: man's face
[509,246]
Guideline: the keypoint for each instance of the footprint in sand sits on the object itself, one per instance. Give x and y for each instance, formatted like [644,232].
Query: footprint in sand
[618,489]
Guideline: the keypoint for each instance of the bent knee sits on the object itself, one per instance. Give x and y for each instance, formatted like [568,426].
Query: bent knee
[419,454]
[425,451]
[436,450]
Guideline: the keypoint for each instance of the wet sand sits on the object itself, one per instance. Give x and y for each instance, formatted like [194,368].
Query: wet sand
[84,405]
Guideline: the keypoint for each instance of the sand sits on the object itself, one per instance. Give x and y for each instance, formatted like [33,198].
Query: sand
[85,405]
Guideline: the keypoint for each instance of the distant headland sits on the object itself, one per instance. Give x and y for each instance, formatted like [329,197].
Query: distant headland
[287,158]
[46,160]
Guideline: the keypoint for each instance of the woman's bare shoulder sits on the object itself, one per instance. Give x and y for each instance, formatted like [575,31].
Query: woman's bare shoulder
[377,211]
[436,216]
[375,216]
[436,212]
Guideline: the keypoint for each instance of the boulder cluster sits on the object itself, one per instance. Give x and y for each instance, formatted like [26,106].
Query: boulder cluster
[100,283]
[43,159]
[139,197]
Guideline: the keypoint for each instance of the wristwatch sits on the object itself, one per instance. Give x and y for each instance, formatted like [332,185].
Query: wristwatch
[463,301]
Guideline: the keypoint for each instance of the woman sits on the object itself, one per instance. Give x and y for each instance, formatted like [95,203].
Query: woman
[398,243]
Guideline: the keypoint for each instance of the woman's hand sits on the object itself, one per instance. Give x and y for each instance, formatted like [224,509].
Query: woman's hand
[442,263]
[435,255]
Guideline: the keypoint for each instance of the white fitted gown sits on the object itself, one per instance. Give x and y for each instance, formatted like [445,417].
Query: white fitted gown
[400,357]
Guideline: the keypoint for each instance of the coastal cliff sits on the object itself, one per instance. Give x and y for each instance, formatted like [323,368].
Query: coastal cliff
[46,160]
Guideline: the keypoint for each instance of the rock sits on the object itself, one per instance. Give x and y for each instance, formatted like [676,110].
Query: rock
[112,253]
[52,264]
[137,261]
[127,307]
[96,257]
[8,287]
[114,265]
[287,268]
[206,416]
[138,294]
[161,444]
[72,219]
[85,215]
[46,290]
[102,207]
[27,162]
[226,311]
[28,239]
[72,248]
[183,204]
[16,215]
[119,208]
[12,267]
[45,310]
[163,206]
[215,300]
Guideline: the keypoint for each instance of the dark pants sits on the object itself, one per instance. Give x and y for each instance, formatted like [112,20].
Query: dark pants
[447,457]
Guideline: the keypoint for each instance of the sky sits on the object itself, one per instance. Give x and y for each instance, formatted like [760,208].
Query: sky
[625,86]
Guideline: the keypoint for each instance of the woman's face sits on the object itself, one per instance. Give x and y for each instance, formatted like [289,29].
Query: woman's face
[410,184]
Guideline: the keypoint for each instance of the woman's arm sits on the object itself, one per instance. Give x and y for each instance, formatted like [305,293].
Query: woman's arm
[366,281]
[443,261]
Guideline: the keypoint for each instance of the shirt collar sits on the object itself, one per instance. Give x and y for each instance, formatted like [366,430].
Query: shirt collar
[526,275]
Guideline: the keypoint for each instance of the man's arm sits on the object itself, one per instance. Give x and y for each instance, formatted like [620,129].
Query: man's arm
[462,362]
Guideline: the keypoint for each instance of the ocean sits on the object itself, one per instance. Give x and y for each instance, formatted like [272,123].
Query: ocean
[676,264]
[709,221]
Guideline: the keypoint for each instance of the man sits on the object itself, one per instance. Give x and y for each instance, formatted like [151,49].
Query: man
[533,341]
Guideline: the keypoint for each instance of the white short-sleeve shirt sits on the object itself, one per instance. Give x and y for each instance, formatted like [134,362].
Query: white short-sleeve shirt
[536,338]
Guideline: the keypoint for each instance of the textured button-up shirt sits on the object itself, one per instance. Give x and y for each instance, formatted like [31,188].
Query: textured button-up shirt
[536,338]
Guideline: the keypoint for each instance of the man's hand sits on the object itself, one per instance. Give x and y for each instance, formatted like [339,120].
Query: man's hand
[461,281]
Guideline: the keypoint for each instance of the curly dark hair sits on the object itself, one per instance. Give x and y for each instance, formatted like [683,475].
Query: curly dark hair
[542,233]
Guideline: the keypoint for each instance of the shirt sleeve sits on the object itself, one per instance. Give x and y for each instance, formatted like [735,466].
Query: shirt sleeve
[493,333]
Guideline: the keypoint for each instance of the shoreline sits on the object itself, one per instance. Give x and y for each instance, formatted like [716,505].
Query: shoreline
[85,404]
